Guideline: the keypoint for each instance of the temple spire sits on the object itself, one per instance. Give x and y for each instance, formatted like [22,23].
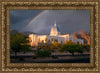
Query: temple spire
[55,23]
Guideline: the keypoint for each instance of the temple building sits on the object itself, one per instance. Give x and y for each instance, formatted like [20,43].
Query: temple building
[54,36]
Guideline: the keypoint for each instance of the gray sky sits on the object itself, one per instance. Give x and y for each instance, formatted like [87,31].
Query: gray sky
[41,21]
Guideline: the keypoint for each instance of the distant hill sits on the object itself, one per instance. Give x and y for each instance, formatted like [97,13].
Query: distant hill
[26,33]
[13,31]
[82,35]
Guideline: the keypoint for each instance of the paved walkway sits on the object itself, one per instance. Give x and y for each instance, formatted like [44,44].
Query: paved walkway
[31,53]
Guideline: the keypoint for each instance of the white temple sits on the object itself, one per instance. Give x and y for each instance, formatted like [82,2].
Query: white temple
[54,36]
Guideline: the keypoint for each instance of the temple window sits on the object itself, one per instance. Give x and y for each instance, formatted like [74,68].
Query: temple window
[38,39]
[42,41]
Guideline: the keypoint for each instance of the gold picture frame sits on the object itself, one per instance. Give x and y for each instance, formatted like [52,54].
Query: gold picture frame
[6,6]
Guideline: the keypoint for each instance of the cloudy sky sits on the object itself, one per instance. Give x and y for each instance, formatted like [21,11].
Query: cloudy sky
[41,21]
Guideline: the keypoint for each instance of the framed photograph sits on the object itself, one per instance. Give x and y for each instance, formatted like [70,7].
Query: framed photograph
[49,36]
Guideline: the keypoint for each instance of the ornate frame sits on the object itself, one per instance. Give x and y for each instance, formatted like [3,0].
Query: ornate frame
[62,67]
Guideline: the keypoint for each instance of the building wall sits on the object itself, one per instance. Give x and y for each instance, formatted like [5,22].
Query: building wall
[33,39]
[80,41]
[42,38]
[66,36]
[57,39]
[36,39]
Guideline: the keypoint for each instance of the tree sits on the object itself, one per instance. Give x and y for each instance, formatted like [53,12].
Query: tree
[69,42]
[71,48]
[48,47]
[40,47]
[19,43]
[86,47]
[63,48]
[25,48]
[79,48]
[55,44]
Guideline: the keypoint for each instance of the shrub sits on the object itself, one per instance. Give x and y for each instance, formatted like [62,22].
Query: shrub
[55,57]
[44,53]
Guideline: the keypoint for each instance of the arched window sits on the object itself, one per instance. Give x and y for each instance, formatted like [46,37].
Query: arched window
[55,40]
[38,39]
[42,41]
[45,39]
[49,41]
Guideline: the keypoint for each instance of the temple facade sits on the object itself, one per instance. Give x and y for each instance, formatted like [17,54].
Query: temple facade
[55,35]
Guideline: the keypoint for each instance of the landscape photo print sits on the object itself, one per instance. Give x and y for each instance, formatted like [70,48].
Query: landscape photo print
[50,36]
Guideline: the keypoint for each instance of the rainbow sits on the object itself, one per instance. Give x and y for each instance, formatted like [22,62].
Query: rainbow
[35,17]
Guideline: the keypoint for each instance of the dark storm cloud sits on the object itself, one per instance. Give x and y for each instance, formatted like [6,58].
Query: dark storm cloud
[20,18]
[67,20]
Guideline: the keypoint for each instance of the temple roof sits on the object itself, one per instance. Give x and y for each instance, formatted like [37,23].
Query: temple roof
[54,30]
